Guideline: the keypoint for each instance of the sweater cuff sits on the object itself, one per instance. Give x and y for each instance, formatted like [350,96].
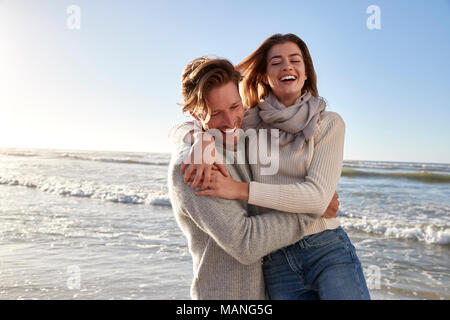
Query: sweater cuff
[264,195]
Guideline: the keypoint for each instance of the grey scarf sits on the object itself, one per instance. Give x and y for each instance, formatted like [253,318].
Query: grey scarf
[297,123]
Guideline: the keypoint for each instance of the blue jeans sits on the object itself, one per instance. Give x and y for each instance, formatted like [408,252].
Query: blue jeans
[322,266]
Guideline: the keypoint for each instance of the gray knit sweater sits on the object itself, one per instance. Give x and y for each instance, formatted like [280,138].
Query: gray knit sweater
[227,243]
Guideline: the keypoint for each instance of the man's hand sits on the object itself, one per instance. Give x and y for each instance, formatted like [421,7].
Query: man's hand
[332,209]
[203,144]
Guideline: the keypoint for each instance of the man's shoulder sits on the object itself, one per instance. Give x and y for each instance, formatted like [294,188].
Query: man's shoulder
[181,195]
[179,153]
[178,190]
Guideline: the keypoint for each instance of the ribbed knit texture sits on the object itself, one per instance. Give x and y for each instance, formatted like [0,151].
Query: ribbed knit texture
[307,178]
[225,243]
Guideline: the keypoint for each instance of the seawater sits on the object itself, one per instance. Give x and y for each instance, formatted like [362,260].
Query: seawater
[99,225]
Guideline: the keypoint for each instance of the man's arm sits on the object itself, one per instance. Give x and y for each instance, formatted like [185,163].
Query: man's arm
[247,239]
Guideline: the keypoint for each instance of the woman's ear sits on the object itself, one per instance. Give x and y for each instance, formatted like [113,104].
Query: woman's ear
[264,80]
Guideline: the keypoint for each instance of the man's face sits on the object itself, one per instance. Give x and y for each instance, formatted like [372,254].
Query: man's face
[227,110]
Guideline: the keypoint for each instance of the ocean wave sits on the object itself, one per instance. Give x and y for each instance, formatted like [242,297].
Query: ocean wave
[370,165]
[443,167]
[86,189]
[115,160]
[429,233]
[108,157]
[418,176]
[19,154]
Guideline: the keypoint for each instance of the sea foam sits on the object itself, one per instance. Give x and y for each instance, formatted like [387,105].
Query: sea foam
[90,189]
[428,233]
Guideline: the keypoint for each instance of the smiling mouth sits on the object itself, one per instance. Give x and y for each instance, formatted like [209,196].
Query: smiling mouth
[288,79]
[229,131]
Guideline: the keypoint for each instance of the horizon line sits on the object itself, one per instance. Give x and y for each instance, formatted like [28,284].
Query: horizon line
[168,152]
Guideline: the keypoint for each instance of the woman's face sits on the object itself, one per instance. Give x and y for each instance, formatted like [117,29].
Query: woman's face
[286,72]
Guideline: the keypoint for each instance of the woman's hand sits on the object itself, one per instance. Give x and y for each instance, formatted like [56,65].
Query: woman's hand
[225,187]
[200,161]
[333,207]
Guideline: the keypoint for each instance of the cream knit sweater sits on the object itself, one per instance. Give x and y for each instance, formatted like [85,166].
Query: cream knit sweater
[307,178]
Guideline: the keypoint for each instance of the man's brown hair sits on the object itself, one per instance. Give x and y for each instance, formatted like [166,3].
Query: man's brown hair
[200,76]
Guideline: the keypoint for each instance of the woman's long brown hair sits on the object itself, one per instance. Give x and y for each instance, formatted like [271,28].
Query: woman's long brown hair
[254,67]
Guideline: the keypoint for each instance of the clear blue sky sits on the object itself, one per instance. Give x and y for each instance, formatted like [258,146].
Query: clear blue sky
[114,83]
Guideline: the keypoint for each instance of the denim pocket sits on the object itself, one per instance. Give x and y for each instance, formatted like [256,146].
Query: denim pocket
[321,239]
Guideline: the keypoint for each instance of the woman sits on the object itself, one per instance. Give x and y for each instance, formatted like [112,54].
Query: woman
[279,87]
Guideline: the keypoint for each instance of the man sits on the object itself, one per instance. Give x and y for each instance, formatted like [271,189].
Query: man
[225,237]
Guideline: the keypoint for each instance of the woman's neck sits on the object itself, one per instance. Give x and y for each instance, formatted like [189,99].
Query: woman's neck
[289,101]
